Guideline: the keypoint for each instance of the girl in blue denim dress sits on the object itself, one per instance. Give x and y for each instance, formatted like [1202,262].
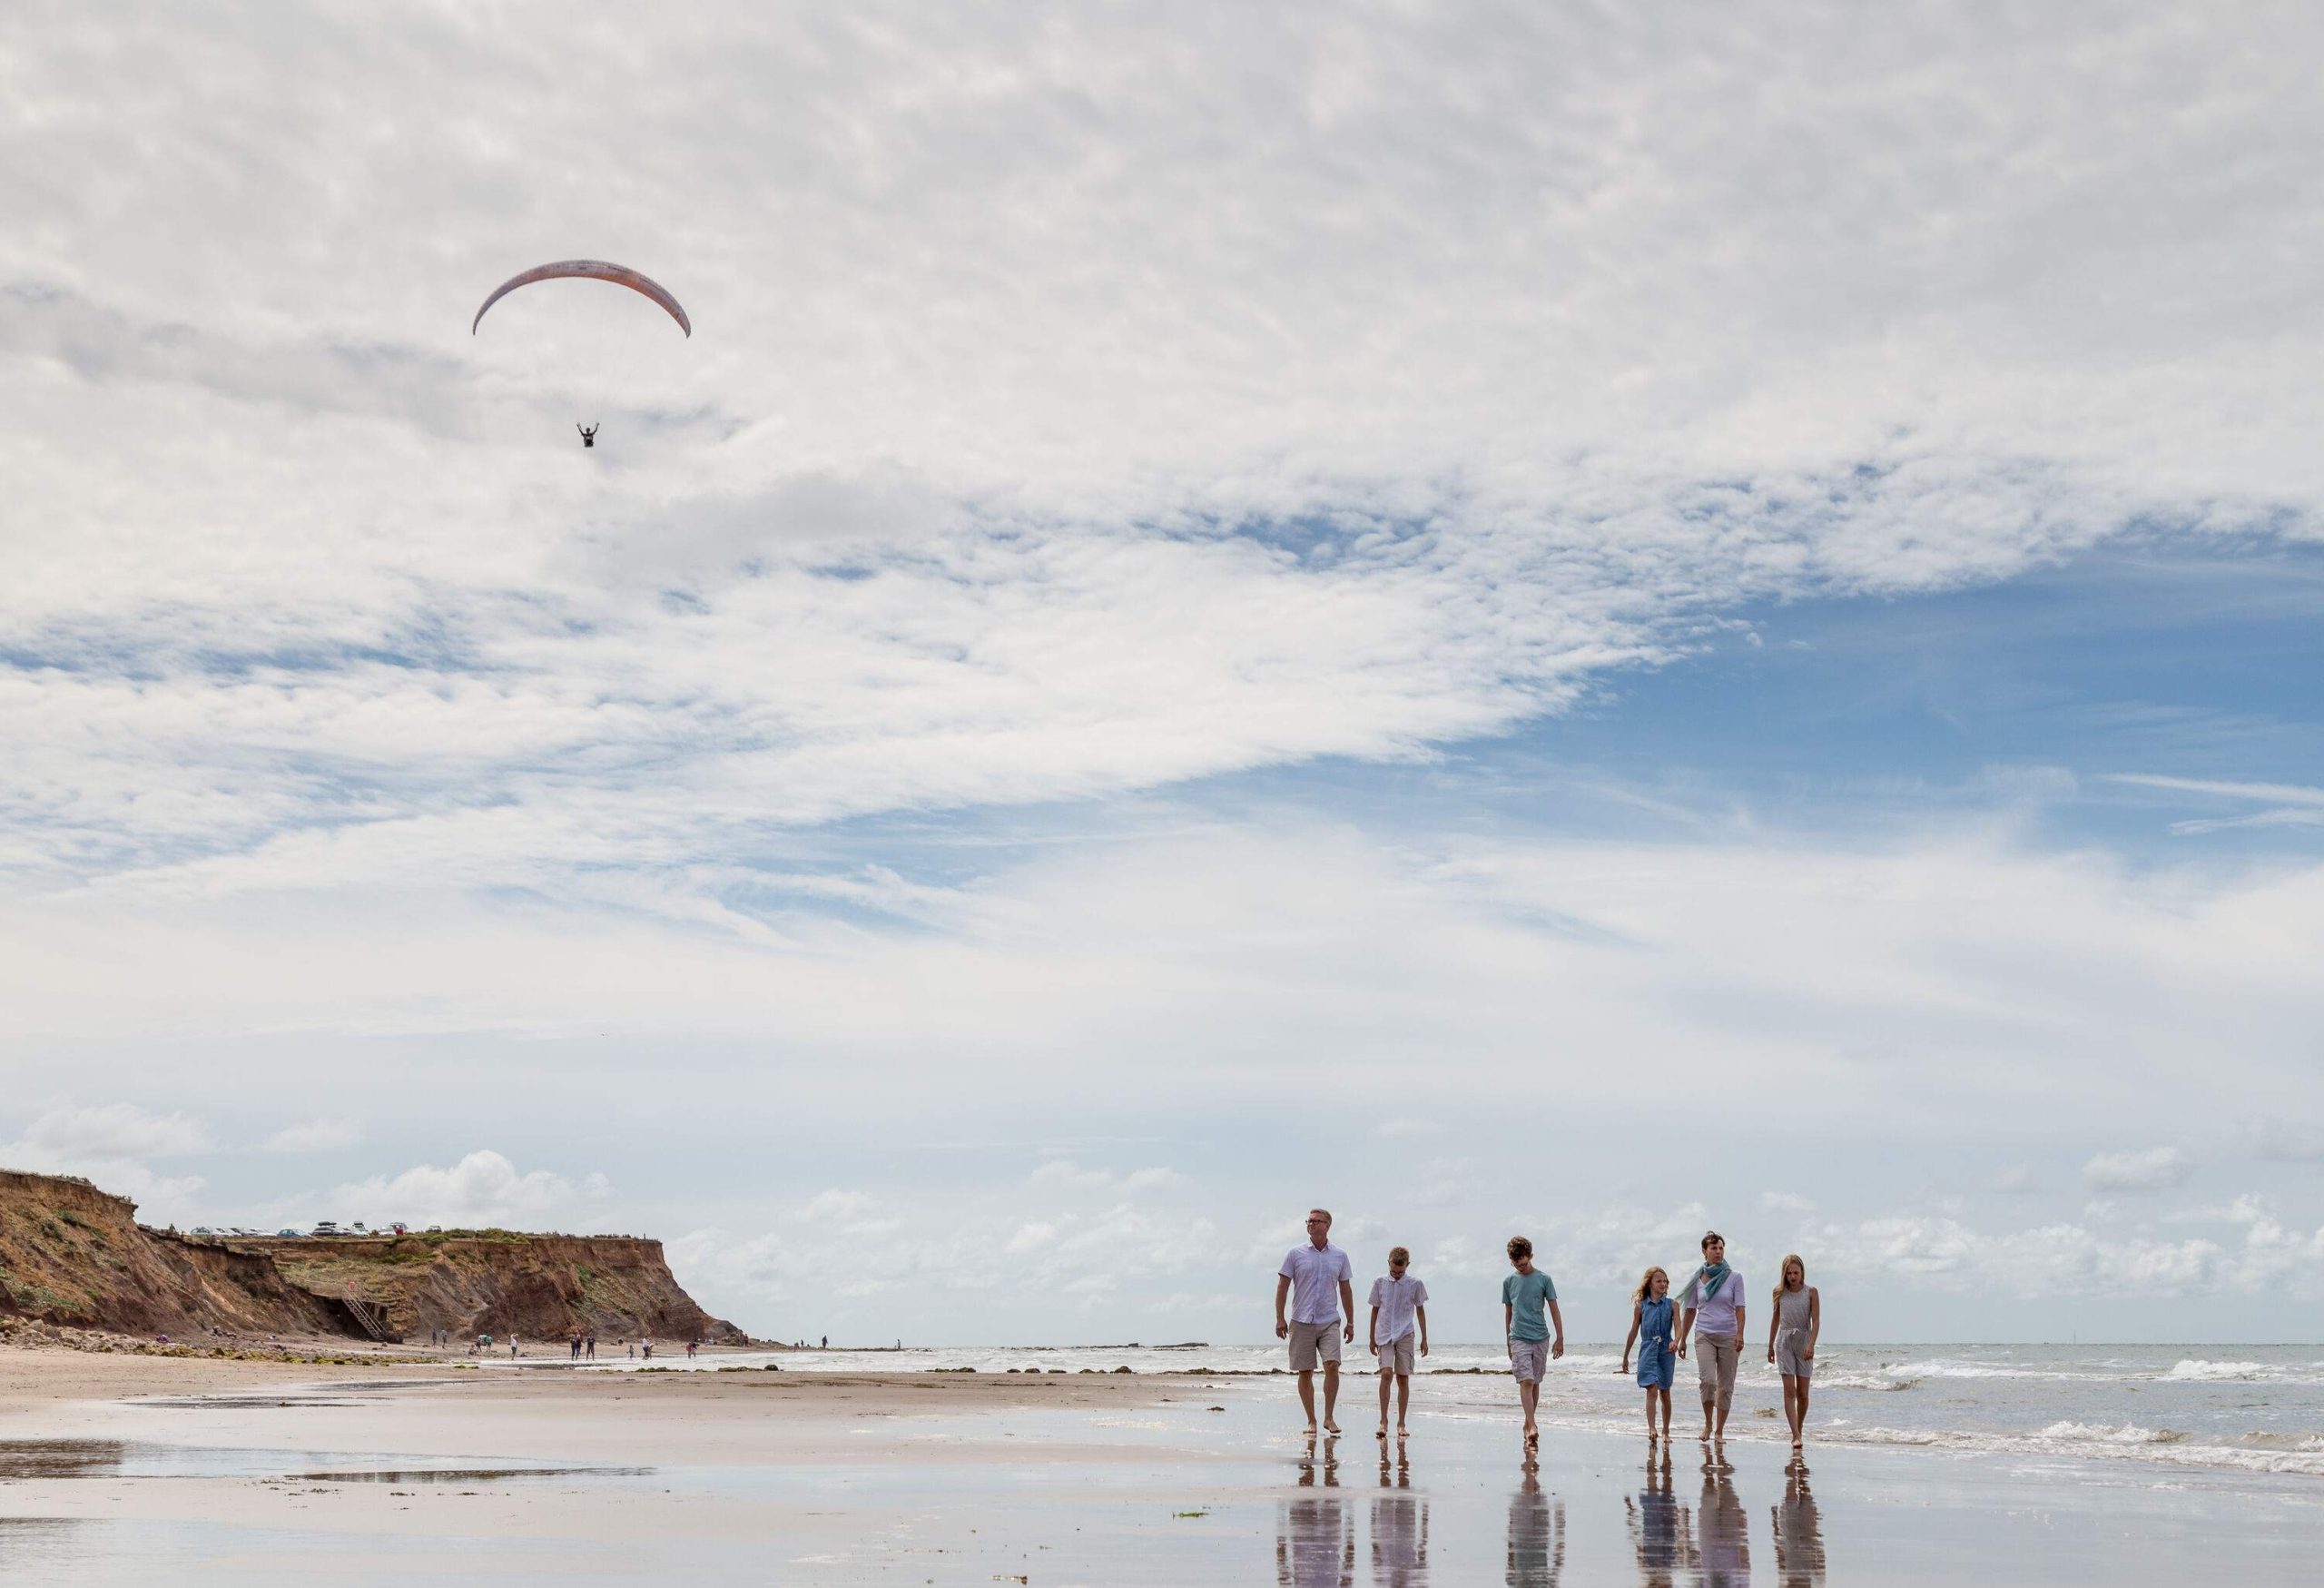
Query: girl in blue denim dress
[1650,1311]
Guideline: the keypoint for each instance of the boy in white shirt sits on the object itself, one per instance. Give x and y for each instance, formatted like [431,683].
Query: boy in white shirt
[1399,1311]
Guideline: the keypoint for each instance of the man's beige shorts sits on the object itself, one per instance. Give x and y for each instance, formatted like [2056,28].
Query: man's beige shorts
[1310,1342]
[1396,1356]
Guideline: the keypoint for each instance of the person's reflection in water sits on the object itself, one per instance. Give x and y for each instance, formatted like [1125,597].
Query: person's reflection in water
[1315,1541]
[1658,1528]
[1329,1465]
[1799,1533]
[1536,1535]
[1399,1530]
[1721,1526]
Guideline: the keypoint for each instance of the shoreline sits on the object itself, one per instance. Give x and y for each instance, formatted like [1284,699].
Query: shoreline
[85,1384]
[384,1473]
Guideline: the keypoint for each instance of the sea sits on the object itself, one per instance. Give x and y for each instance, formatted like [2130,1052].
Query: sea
[2250,1409]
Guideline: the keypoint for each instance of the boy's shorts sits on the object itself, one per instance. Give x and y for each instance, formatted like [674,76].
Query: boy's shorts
[1310,1342]
[1529,1359]
[1396,1356]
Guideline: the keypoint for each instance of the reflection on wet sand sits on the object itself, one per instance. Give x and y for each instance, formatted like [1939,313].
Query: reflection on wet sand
[1799,1533]
[1328,1466]
[1536,1535]
[1315,1545]
[1399,1537]
[59,1458]
[1722,1527]
[1659,1530]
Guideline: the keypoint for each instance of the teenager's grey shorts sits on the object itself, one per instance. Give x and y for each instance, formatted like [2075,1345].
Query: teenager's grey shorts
[1396,1356]
[1529,1359]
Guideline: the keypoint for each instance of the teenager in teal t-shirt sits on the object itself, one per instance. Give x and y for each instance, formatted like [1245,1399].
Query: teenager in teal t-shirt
[1524,1295]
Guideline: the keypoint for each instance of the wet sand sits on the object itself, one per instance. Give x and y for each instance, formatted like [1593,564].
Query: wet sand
[443,1474]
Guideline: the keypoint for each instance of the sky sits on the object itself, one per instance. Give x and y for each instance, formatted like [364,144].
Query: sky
[1588,621]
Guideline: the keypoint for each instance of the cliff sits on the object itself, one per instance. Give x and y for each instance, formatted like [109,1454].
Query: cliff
[498,1281]
[73,1254]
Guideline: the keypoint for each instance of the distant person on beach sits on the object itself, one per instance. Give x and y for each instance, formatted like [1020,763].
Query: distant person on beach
[589,1348]
[1399,1312]
[1798,1319]
[1523,1295]
[1658,1369]
[1711,1306]
[827,1342]
[514,1345]
[692,1346]
[1321,1285]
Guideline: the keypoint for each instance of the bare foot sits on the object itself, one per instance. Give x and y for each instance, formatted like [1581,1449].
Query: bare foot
[1330,1426]
[1310,1430]
[1382,1432]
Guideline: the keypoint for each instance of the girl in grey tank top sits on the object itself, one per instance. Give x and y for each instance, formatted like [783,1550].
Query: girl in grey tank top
[1791,1340]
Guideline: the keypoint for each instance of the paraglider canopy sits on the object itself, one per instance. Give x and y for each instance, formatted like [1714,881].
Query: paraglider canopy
[595,270]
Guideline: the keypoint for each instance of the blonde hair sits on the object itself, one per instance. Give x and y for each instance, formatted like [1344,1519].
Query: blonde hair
[1783,1273]
[1395,1252]
[1646,1284]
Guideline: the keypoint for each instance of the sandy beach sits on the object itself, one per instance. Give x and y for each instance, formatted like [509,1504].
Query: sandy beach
[114,1468]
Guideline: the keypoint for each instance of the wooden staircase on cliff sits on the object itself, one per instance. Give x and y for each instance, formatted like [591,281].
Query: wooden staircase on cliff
[372,1315]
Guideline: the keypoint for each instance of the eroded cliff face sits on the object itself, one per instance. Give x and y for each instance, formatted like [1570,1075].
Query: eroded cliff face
[537,1286]
[73,1254]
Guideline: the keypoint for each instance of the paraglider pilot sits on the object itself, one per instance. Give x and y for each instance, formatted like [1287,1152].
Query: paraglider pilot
[588,434]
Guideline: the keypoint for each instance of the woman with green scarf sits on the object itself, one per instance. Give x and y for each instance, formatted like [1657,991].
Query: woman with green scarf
[1715,1295]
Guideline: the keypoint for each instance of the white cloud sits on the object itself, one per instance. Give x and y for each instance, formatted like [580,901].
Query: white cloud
[1408,1130]
[2073,1260]
[482,1188]
[2016,1181]
[108,1131]
[888,534]
[2153,1168]
[1457,1256]
[1069,1262]
[1063,1175]
[1446,1181]
[2284,804]
[839,1206]
[2286,1141]
[111,1144]
[314,1136]
[1785,1202]
[1031,1237]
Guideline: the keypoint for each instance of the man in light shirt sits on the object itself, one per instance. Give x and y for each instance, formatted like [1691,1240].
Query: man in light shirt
[1319,1284]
